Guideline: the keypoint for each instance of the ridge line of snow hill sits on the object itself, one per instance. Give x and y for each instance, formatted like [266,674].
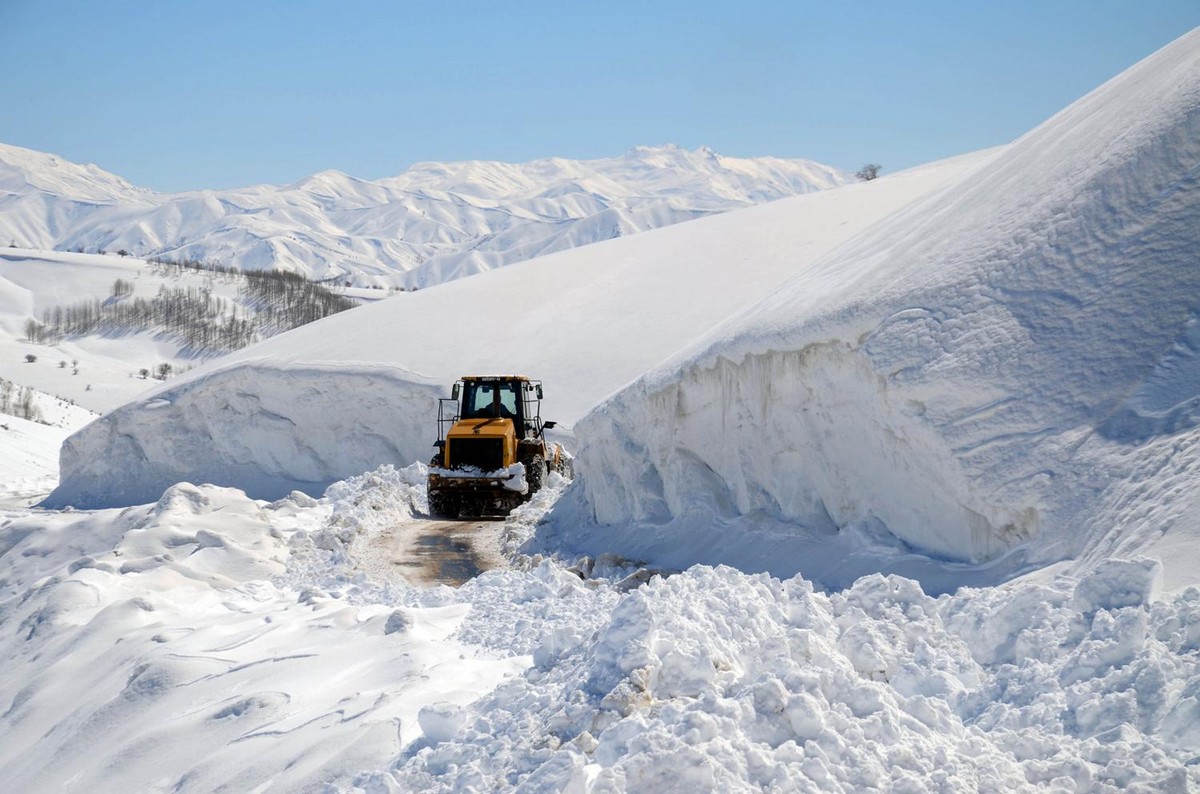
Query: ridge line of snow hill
[590,320]
[1004,371]
[434,222]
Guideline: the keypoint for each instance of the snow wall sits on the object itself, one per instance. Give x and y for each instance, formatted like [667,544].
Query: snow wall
[1003,372]
[270,431]
[348,393]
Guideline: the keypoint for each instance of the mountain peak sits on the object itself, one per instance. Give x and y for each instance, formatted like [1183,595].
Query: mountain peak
[432,223]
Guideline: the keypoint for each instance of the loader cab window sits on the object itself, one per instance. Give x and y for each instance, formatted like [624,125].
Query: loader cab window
[508,400]
[477,400]
[489,400]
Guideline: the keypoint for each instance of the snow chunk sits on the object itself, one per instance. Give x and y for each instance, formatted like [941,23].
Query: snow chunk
[1114,584]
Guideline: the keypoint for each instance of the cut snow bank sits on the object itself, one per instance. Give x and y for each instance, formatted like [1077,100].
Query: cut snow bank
[1004,371]
[267,430]
[355,390]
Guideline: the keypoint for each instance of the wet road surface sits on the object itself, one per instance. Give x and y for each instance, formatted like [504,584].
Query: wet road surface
[435,552]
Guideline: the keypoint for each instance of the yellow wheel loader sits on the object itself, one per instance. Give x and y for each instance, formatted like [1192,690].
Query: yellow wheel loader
[492,451]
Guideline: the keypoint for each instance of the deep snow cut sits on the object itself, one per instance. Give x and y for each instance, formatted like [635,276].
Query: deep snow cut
[348,393]
[1003,372]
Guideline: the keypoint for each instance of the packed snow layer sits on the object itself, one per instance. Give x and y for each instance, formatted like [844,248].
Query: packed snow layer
[268,430]
[212,642]
[433,223]
[1004,371]
[355,390]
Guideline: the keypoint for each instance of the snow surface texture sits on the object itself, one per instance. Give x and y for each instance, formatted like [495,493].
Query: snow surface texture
[433,223]
[210,642]
[283,413]
[1005,371]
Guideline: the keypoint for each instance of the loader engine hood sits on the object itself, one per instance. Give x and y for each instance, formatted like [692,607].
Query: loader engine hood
[485,444]
[482,427]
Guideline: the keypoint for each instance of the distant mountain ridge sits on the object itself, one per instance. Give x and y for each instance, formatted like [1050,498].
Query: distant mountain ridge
[432,223]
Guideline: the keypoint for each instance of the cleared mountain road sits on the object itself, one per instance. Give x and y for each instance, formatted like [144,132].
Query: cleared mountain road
[428,552]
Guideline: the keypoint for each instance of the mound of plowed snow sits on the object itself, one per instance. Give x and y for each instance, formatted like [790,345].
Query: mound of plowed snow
[208,642]
[343,395]
[1004,372]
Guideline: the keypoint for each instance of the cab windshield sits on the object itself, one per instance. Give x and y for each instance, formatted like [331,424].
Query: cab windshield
[489,400]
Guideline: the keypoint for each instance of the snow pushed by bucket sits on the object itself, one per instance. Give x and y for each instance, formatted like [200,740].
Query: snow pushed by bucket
[717,680]
[237,644]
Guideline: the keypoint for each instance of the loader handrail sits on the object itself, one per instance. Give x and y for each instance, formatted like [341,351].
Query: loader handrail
[447,416]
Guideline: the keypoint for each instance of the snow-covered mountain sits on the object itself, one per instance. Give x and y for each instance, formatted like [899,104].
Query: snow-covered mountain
[108,354]
[432,223]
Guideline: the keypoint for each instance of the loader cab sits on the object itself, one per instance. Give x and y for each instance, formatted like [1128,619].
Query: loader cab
[496,397]
[493,399]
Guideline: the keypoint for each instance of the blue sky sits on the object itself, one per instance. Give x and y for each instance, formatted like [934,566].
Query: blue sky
[176,95]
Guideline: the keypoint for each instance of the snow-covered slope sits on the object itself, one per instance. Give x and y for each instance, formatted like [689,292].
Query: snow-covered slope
[347,393]
[434,222]
[33,426]
[103,369]
[1003,372]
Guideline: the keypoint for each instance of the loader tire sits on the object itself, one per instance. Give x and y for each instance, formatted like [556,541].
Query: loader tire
[443,505]
[535,475]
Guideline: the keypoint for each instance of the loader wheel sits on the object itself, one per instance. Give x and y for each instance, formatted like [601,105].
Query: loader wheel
[535,475]
[443,505]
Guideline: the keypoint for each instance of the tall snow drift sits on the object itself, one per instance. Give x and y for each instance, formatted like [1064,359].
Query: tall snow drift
[1007,371]
[343,395]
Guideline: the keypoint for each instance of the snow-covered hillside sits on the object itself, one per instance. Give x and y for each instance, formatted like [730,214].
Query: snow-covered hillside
[432,223]
[1005,372]
[348,393]
[33,426]
[111,364]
